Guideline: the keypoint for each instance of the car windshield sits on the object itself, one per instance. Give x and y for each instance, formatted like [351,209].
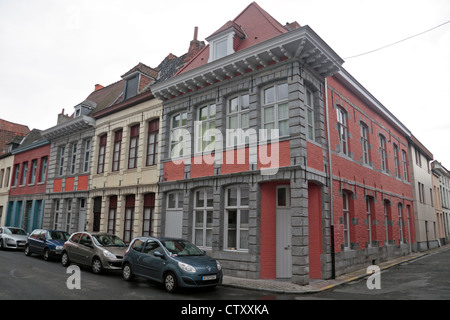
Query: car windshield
[108,240]
[58,235]
[181,248]
[16,231]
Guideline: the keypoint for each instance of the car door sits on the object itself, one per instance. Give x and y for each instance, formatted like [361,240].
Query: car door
[85,249]
[72,248]
[150,265]
[39,242]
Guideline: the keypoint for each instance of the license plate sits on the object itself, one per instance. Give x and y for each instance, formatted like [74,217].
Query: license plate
[212,277]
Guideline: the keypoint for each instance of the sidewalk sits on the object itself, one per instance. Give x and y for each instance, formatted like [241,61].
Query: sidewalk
[314,286]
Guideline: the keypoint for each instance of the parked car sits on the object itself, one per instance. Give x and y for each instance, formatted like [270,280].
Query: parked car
[101,251]
[48,243]
[12,238]
[173,262]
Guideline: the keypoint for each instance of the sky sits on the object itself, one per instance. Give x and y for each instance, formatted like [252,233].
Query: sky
[53,52]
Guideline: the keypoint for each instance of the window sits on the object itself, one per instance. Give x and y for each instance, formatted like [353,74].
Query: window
[383,153]
[236,218]
[346,216]
[131,87]
[365,143]
[178,141]
[101,154]
[175,200]
[421,189]
[387,220]
[418,157]
[310,114]
[205,125]
[8,172]
[24,173]
[400,222]
[149,209]
[237,118]
[369,220]
[203,217]
[56,214]
[112,214]
[220,49]
[134,147]
[276,109]
[33,171]
[116,152]
[2,174]
[152,143]
[397,162]
[16,175]
[74,158]
[129,218]
[87,153]
[69,215]
[405,165]
[342,130]
[62,151]
[43,171]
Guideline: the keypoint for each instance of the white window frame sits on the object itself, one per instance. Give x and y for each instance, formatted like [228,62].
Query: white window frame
[400,221]
[62,151]
[206,211]
[365,143]
[276,104]
[175,135]
[310,118]
[346,216]
[241,112]
[240,227]
[205,136]
[87,152]
[74,158]
[369,220]
[178,197]
[342,130]
[383,153]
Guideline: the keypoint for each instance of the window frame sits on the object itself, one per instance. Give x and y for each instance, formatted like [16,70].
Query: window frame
[275,104]
[173,129]
[310,121]
[206,211]
[102,153]
[242,109]
[117,150]
[342,128]
[383,153]
[365,143]
[201,145]
[346,220]
[152,147]
[239,208]
[133,150]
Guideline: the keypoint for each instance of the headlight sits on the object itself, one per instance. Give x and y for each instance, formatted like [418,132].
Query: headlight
[186,267]
[219,267]
[10,241]
[59,247]
[108,254]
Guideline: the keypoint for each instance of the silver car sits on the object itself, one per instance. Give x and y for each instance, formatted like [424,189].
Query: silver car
[101,251]
[12,238]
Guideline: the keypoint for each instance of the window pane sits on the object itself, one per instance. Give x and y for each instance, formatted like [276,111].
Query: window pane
[199,203]
[233,105]
[210,198]
[245,102]
[232,197]
[283,111]
[176,121]
[269,95]
[282,91]
[284,128]
[233,122]
[199,219]
[244,196]
[244,121]
[269,115]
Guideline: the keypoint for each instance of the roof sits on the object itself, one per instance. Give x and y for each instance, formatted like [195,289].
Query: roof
[257,25]
[9,131]
[142,68]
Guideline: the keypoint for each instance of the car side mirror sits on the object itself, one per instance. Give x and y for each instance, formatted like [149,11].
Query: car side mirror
[158,254]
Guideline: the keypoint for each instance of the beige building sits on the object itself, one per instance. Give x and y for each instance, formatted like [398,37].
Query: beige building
[441,185]
[6,165]
[125,168]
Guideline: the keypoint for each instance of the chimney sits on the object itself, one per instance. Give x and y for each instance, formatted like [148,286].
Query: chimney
[292,25]
[98,87]
[195,46]
[62,117]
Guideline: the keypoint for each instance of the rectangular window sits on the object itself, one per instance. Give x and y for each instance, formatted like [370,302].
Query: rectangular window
[387,220]
[62,151]
[365,143]
[342,130]
[116,151]
[405,165]
[178,142]
[43,170]
[56,212]
[310,114]
[149,209]
[236,218]
[397,162]
[101,154]
[152,143]
[134,147]
[220,48]
[203,218]
[383,153]
[69,215]
[205,125]
[276,109]
[33,171]
[16,175]
[237,118]
[112,214]
[400,222]
[346,216]
[24,173]
[369,220]
[74,158]
[129,218]
[87,155]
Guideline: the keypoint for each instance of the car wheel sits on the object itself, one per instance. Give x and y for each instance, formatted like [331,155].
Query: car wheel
[65,259]
[46,254]
[27,251]
[96,265]
[127,273]
[170,282]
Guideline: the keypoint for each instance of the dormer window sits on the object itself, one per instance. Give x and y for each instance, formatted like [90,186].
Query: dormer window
[222,42]
[131,87]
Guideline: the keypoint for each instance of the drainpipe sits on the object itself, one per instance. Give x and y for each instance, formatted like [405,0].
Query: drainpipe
[330,169]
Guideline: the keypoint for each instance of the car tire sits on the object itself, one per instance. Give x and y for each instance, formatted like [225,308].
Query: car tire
[27,251]
[65,259]
[46,254]
[96,265]
[170,282]
[127,273]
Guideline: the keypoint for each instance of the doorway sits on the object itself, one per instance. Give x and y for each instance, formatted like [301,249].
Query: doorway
[283,233]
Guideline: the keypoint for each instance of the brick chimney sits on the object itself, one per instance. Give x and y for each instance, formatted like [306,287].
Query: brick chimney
[195,46]
[98,87]
[62,117]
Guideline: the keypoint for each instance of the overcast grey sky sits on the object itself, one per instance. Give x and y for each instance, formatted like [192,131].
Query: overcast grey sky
[52,53]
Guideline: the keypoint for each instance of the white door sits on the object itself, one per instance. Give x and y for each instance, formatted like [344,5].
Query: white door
[283,228]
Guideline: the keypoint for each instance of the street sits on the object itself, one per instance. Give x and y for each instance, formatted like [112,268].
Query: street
[32,278]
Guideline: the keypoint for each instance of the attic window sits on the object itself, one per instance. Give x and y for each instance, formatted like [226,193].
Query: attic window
[221,46]
[77,112]
[220,49]
[131,87]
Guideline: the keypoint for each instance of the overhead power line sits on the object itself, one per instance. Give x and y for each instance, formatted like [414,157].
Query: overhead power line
[397,42]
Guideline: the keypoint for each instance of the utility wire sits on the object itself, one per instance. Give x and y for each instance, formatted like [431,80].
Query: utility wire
[392,44]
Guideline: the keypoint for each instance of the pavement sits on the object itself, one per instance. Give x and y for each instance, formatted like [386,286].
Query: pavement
[277,286]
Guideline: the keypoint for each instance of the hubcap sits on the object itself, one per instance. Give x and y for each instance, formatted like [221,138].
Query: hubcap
[170,282]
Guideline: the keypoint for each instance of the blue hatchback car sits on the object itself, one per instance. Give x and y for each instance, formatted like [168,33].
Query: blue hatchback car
[173,262]
[48,243]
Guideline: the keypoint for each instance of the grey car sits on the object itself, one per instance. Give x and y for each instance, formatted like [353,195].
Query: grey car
[12,238]
[100,251]
[173,262]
